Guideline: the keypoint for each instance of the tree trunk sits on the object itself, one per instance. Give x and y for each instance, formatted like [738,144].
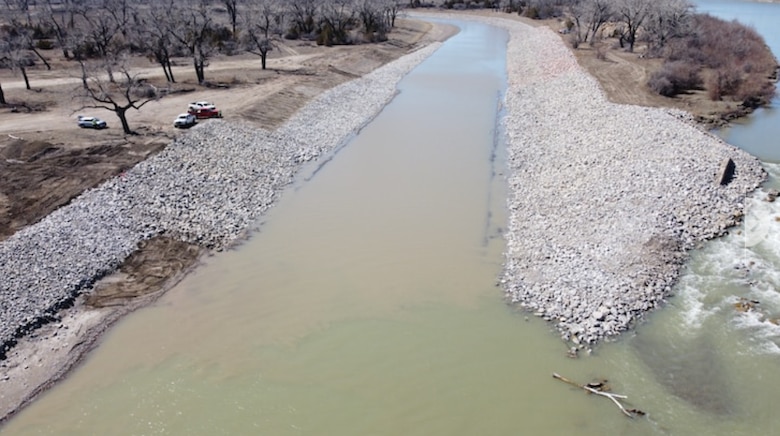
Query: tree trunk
[263,55]
[121,113]
[43,59]
[170,70]
[165,70]
[199,71]
[84,76]
[26,79]
[2,95]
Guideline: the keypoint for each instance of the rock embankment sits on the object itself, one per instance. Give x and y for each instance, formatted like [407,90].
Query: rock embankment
[207,187]
[605,199]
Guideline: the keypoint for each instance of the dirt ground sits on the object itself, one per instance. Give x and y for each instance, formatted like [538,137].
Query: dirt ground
[46,160]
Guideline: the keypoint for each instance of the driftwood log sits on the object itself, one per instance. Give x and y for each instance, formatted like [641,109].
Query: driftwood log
[601,389]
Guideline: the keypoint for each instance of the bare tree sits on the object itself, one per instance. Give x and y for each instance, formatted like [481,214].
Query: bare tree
[59,16]
[232,10]
[393,7]
[119,96]
[193,27]
[19,19]
[336,17]
[104,34]
[632,14]
[123,13]
[14,42]
[509,7]
[260,19]
[373,19]
[303,15]
[155,38]
[589,16]
[3,50]
[668,19]
[19,10]
[543,9]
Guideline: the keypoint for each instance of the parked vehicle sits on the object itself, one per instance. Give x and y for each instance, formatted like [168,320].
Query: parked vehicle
[206,113]
[184,121]
[91,123]
[200,105]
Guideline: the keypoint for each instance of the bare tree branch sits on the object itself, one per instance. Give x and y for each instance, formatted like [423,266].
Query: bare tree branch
[193,27]
[131,92]
[601,389]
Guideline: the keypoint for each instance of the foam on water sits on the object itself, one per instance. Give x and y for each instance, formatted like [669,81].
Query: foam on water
[695,312]
[762,333]
[737,277]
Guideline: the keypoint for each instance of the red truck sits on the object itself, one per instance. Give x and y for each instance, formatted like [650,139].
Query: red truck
[206,112]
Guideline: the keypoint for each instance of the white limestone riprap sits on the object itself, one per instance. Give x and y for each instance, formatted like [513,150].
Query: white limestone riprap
[605,199]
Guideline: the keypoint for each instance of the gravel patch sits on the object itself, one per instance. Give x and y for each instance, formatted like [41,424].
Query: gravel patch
[208,187]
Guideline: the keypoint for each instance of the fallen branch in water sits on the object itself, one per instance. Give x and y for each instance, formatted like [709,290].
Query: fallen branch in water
[600,389]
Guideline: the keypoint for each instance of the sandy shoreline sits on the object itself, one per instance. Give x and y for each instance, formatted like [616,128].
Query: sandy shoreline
[41,360]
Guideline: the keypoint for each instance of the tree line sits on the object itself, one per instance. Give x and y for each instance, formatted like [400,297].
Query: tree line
[100,35]
[726,59]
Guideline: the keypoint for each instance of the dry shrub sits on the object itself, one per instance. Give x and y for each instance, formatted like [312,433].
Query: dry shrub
[715,42]
[601,52]
[725,81]
[713,89]
[734,51]
[755,91]
[44,44]
[675,77]
[574,40]
[532,13]
[144,90]
[662,85]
